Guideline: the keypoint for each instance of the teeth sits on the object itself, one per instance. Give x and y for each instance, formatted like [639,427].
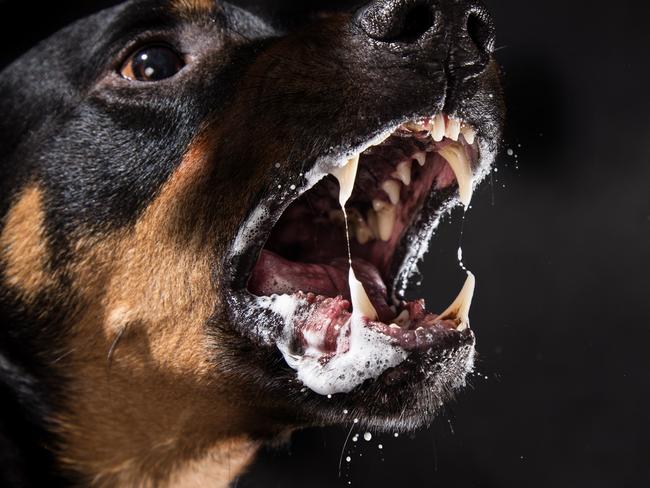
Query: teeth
[392,189]
[363,233]
[460,164]
[420,157]
[438,132]
[403,172]
[386,222]
[469,134]
[361,304]
[395,326]
[403,318]
[371,218]
[379,205]
[346,175]
[415,127]
[459,309]
[453,129]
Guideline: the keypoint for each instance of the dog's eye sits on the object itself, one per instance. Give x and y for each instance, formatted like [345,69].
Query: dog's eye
[153,63]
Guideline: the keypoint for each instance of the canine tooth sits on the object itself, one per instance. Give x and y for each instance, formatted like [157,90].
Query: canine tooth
[438,132]
[346,175]
[386,222]
[392,189]
[459,309]
[361,304]
[469,134]
[453,129]
[455,155]
[403,172]
[420,157]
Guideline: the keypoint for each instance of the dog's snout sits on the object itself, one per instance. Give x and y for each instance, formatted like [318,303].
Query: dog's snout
[459,32]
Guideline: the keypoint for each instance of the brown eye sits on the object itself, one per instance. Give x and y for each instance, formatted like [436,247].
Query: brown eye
[153,63]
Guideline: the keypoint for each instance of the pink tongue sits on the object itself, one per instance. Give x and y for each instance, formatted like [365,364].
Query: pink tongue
[276,275]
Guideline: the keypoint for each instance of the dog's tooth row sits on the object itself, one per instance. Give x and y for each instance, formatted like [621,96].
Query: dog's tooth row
[457,312]
[440,127]
[379,222]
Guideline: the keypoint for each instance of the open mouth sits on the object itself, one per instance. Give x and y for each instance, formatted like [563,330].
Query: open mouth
[341,328]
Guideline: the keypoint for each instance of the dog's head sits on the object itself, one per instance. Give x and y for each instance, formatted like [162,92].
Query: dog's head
[172,229]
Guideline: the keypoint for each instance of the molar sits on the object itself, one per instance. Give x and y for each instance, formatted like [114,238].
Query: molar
[386,222]
[392,189]
[403,172]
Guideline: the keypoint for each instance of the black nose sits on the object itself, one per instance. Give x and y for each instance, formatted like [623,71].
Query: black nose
[465,27]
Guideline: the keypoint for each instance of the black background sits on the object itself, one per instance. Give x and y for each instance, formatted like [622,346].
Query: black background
[559,240]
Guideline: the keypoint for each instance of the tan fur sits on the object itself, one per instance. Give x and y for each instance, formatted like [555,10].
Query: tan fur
[23,250]
[158,410]
[218,468]
[193,7]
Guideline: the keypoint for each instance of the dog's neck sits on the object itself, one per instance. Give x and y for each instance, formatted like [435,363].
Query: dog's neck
[132,429]
[216,467]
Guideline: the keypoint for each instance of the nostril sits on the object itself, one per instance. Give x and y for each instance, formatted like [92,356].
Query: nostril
[417,21]
[481,31]
[397,20]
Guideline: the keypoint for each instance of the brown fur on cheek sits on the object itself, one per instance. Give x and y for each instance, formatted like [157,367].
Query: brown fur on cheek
[146,399]
[23,249]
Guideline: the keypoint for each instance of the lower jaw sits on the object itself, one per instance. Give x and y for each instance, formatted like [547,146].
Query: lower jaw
[334,351]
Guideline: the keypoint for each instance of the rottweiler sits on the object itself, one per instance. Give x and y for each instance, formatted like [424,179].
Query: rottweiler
[175,268]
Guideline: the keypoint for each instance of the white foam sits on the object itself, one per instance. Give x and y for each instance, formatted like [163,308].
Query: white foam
[369,355]
[283,305]
[248,232]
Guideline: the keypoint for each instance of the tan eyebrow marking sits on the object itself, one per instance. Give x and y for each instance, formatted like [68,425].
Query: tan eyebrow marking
[193,7]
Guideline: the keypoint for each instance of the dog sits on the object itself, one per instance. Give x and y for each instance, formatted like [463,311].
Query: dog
[174,259]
